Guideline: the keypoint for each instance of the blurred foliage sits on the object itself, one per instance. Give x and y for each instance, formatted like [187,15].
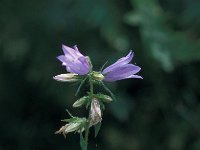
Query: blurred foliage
[162,111]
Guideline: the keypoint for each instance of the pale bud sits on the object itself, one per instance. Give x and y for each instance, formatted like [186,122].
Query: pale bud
[95,112]
[68,77]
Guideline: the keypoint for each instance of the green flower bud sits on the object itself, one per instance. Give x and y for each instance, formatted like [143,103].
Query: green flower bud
[97,76]
[104,98]
[80,101]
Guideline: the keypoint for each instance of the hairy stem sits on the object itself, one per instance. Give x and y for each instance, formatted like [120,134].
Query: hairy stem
[88,123]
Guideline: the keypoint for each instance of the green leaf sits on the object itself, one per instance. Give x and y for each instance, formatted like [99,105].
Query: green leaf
[97,128]
[81,84]
[108,90]
[82,142]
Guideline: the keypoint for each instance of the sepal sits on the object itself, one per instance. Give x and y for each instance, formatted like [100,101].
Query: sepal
[104,98]
[97,76]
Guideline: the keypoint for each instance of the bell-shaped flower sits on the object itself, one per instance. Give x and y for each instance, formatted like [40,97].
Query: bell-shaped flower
[74,61]
[121,69]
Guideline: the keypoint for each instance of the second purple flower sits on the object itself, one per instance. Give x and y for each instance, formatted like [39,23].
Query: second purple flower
[121,69]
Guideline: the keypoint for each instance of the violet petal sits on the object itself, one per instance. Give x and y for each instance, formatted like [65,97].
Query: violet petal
[134,76]
[122,72]
[85,64]
[62,58]
[74,61]
[68,51]
[122,61]
[72,66]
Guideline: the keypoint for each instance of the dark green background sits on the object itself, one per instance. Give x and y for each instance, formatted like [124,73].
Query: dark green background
[160,112]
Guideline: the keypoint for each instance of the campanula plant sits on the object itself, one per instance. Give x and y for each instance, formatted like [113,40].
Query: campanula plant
[80,69]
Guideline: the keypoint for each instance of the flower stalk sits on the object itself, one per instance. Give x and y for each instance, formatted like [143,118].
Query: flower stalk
[80,69]
[87,128]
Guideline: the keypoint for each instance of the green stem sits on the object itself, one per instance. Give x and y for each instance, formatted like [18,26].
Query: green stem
[91,87]
[86,135]
[88,123]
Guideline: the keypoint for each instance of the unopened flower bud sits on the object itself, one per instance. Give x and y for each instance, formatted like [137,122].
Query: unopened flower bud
[97,76]
[95,112]
[104,98]
[68,77]
[76,125]
[80,101]
[68,128]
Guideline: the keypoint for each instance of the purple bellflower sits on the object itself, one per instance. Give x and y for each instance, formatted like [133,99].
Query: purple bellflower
[74,61]
[121,69]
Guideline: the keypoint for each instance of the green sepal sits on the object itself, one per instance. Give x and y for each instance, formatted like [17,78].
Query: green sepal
[103,97]
[96,76]
[97,128]
[102,105]
[88,104]
[90,63]
[74,119]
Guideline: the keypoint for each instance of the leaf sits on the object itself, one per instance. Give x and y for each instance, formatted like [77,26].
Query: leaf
[81,84]
[108,90]
[97,128]
[82,141]
[70,120]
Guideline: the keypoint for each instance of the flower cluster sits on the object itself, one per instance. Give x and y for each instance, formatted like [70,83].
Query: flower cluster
[77,64]
[79,68]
